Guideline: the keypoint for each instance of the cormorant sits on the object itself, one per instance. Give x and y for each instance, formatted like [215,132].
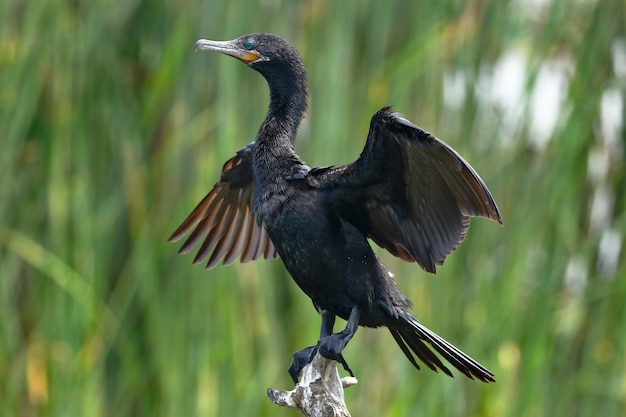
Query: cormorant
[408,191]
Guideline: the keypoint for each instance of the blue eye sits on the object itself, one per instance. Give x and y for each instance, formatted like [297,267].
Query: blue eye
[249,46]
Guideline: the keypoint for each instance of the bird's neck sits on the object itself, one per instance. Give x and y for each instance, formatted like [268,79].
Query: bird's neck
[275,156]
[275,161]
[288,102]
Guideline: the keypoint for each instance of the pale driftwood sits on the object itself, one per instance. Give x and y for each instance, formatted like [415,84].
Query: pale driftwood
[319,392]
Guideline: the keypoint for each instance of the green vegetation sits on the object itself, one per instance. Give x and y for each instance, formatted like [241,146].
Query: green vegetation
[112,129]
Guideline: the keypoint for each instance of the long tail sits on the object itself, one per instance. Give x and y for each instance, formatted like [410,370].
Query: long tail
[412,338]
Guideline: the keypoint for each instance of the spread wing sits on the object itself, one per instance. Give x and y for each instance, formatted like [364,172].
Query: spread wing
[417,193]
[224,219]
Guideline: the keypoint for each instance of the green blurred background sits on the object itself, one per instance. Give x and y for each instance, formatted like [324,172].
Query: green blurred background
[112,129]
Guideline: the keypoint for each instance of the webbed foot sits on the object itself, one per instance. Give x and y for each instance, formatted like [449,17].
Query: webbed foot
[301,359]
[331,347]
[327,348]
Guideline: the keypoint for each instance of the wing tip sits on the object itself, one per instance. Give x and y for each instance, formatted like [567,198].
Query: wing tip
[177,235]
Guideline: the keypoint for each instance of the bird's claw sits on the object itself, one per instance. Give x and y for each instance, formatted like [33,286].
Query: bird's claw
[301,359]
[339,359]
[330,347]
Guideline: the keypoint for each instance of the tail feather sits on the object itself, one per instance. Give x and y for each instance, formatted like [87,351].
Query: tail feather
[396,335]
[415,335]
[421,350]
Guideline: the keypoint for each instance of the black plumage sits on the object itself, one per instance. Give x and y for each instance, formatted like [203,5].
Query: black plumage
[408,191]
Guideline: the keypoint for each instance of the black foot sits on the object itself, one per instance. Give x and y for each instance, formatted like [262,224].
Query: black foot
[301,359]
[327,347]
[331,347]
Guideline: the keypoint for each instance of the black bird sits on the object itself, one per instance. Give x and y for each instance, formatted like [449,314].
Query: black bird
[408,191]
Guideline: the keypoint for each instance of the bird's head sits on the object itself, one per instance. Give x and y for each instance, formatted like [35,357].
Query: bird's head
[275,58]
[260,51]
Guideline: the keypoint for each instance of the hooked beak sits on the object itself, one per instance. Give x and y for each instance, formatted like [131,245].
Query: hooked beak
[230,48]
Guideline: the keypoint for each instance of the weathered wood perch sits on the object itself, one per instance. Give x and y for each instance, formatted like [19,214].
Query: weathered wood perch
[319,392]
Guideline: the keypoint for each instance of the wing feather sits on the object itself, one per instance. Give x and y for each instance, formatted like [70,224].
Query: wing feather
[418,193]
[224,220]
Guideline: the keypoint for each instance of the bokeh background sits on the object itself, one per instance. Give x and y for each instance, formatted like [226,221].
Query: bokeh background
[112,129]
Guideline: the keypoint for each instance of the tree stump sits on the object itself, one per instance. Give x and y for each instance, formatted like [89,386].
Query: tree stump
[319,392]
